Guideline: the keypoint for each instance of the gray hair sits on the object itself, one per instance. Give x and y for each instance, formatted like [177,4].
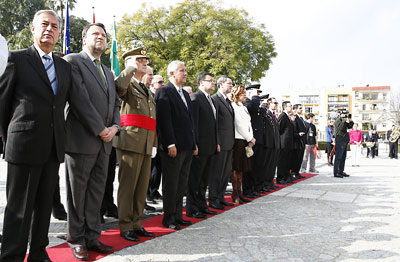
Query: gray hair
[155,77]
[222,79]
[51,12]
[188,89]
[173,66]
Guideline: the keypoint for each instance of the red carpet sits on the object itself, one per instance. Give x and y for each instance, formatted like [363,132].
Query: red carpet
[111,237]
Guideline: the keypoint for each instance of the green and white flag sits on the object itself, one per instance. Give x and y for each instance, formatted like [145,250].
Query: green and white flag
[114,52]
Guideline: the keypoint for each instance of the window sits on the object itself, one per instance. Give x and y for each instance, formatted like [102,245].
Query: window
[332,98]
[308,109]
[374,96]
[366,117]
[364,107]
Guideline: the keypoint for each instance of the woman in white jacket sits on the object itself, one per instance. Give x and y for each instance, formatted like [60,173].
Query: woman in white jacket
[243,138]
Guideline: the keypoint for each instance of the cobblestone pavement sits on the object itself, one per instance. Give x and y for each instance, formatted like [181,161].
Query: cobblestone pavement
[320,219]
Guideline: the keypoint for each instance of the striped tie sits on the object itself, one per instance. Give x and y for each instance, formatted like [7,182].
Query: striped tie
[98,66]
[51,72]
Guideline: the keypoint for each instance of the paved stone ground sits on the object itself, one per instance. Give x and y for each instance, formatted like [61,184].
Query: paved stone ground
[320,219]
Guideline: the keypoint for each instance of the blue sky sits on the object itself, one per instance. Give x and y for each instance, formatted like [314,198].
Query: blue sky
[320,43]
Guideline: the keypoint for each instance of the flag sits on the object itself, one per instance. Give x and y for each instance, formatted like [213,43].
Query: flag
[114,52]
[94,18]
[66,47]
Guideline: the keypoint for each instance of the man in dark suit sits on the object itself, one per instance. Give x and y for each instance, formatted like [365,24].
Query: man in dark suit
[252,181]
[272,141]
[205,123]
[177,142]
[299,142]
[286,136]
[87,155]
[222,161]
[33,93]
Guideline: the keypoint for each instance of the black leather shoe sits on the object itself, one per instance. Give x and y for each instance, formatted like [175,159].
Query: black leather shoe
[338,175]
[80,253]
[298,176]
[282,182]
[111,214]
[143,233]
[130,236]
[149,208]
[345,175]
[216,206]
[150,199]
[101,248]
[250,195]
[60,214]
[173,226]
[39,260]
[256,194]
[226,203]
[183,222]
[198,214]
[261,191]
[209,212]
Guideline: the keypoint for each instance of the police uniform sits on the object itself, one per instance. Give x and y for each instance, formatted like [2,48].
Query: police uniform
[134,145]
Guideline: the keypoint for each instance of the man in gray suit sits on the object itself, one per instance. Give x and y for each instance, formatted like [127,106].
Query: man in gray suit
[87,155]
[222,161]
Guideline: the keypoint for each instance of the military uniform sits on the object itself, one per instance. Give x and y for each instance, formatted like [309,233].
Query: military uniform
[134,148]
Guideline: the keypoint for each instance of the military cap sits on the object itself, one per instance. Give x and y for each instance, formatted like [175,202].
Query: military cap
[138,52]
[254,86]
[264,97]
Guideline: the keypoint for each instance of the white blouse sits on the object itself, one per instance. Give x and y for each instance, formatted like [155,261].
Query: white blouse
[243,129]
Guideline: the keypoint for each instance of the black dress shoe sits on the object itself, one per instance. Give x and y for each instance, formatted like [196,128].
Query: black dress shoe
[209,212]
[150,199]
[149,208]
[130,236]
[80,253]
[261,191]
[102,219]
[198,214]
[226,203]
[298,176]
[39,260]
[256,194]
[173,226]
[111,214]
[143,233]
[60,214]
[338,175]
[345,175]
[216,206]
[250,195]
[183,222]
[101,248]
[282,182]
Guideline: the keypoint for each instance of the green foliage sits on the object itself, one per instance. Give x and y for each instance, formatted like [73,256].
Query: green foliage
[204,36]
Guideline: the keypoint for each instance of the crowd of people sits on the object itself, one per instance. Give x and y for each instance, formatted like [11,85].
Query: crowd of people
[152,129]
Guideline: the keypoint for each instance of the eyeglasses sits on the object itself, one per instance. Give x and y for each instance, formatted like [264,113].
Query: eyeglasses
[161,82]
[209,80]
[276,103]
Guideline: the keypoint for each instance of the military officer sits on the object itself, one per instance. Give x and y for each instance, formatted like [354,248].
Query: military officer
[135,144]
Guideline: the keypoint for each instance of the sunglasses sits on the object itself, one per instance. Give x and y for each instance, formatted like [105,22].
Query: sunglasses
[161,82]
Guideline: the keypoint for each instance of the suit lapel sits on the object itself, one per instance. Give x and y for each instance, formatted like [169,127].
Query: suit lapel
[37,64]
[177,96]
[92,68]
[59,73]
[205,100]
[223,101]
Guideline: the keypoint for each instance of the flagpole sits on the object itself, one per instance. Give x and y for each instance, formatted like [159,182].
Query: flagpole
[94,18]
[65,28]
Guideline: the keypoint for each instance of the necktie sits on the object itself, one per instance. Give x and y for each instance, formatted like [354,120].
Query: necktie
[51,72]
[144,88]
[276,119]
[98,67]
[212,106]
[229,103]
[182,96]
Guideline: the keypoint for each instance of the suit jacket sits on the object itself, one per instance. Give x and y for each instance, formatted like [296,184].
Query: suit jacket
[225,119]
[301,126]
[135,101]
[272,136]
[175,121]
[285,131]
[31,116]
[105,102]
[206,127]
[257,115]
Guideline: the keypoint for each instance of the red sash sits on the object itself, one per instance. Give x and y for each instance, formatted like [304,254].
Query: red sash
[139,121]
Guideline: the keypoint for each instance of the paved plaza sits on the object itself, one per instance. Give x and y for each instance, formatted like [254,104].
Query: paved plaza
[320,219]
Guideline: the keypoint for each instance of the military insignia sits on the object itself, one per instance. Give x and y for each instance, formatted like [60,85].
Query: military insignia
[143,52]
[138,103]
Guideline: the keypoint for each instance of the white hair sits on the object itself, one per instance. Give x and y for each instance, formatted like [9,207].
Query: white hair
[173,66]
[156,77]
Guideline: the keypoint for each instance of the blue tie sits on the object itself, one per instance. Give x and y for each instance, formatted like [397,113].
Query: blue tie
[51,72]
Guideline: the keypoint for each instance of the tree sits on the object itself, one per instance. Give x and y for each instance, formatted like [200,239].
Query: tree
[393,115]
[204,36]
